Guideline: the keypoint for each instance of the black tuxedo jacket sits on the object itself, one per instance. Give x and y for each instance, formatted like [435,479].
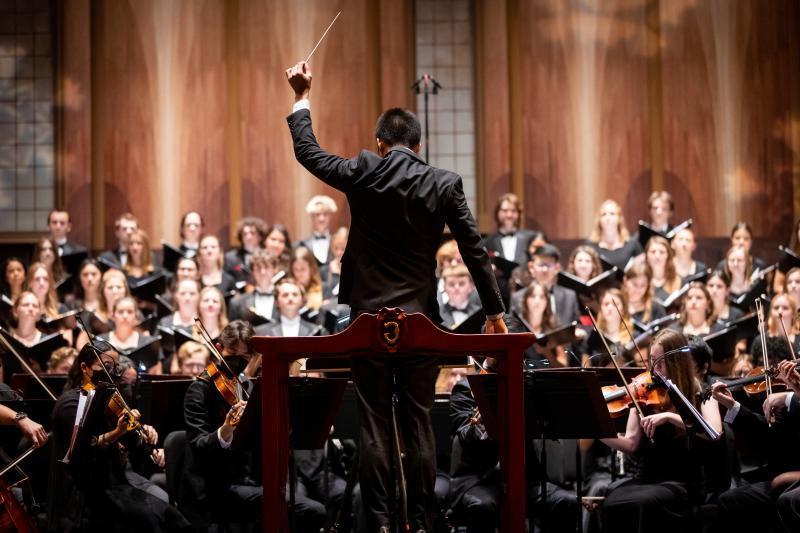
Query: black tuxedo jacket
[523,236]
[446,312]
[399,206]
[240,306]
[70,247]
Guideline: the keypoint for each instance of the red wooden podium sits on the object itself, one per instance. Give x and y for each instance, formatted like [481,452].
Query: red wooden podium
[393,331]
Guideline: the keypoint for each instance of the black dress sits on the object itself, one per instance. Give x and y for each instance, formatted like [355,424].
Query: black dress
[621,256]
[91,493]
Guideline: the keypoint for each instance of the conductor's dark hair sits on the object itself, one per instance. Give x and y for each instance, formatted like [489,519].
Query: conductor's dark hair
[236,332]
[397,126]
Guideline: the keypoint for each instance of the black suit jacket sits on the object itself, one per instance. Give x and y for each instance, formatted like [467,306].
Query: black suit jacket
[445,311]
[523,236]
[240,306]
[71,247]
[399,206]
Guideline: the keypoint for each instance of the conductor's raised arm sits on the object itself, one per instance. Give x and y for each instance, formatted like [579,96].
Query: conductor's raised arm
[336,171]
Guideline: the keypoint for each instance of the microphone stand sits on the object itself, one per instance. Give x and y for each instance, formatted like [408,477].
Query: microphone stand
[426,85]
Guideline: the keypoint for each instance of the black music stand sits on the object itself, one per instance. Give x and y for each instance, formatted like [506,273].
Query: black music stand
[559,404]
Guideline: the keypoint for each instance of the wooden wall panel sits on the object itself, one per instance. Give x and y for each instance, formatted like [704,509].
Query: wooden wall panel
[159,91]
[73,116]
[582,109]
[728,102]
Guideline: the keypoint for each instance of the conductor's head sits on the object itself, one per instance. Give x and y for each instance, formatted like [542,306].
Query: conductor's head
[397,127]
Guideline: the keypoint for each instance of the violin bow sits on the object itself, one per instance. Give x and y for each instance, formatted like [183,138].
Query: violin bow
[786,336]
[210,344]
[619,370]
[645,363]
[762,331]
[26,367]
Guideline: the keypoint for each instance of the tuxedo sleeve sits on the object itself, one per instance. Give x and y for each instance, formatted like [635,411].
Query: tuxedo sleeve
[200,433]
[338,172]
[465,230]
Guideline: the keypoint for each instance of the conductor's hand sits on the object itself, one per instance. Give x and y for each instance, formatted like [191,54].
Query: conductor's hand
[299,77]
[496,326]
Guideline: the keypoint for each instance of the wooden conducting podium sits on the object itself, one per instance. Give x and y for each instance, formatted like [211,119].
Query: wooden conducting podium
[392,331]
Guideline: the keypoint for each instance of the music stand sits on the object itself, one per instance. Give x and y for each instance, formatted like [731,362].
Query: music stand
[559,404]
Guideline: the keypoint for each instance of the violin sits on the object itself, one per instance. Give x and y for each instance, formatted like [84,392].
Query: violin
[117,407]
[644,390]
[754,383]
[12,515]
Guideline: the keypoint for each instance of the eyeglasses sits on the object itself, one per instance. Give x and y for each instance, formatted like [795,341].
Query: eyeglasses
[544,266]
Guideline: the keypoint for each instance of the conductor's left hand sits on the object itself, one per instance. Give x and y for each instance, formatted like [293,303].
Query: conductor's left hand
[496,326]
[299,77]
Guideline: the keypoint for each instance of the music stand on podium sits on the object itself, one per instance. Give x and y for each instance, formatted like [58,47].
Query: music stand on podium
[392,331]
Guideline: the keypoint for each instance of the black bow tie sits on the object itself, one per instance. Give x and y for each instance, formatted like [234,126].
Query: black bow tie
[508,234]
[259,293]
[320,236]
[454,309]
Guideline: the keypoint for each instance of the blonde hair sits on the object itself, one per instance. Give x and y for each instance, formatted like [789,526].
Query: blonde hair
[101,297]
[680,365]
[188,348]
[220,259]
[622,230]
[147,259]
[626,318]
[773,328]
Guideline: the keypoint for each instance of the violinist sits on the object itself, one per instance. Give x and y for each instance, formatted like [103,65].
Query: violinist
[656,498]
[219,482]
[92,491]
[30,429]
[752,504]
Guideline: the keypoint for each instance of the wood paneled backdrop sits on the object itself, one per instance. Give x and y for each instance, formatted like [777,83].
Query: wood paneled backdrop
[167,106]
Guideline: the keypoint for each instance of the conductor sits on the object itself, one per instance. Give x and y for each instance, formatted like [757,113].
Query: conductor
[399,206]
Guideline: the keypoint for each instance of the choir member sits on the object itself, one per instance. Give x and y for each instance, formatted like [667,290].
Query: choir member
[661,208]
[192,227]
[124,226]
[27,311]
[611,326]
[638,291]
[610,236]
[59,226]
[140,263]
[791,285]
[212,312]
[87,292]
[261,300]
[331,272]
[446,256]
[210,261]
[93,491]
[521,276]
[320,208]
[305,270]
[124,336]
[290,298]
[782,318]
[46,252]
[684,246]
[462,299]
[794,245]
[510,240]
[187,300]
[191,360]
[742,236]
[584,262]
[719,288]
[40,282]
[277,243]
[738,266]
[656,498]
[697,312]
[61,360]
[540,318]
[251,233]
[13,277]
[544,267]
[658,256]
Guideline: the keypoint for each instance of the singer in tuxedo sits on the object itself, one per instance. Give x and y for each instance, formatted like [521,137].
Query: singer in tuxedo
[399,206]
